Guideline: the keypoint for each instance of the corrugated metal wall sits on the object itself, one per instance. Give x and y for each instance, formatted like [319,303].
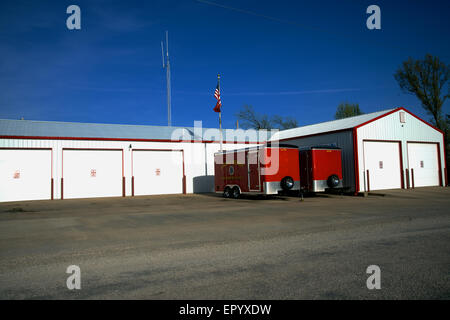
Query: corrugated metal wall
[343,140]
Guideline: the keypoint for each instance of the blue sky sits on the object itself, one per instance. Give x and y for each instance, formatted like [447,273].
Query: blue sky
[292,58]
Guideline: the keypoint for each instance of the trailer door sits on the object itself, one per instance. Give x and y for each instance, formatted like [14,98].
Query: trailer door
[253,171]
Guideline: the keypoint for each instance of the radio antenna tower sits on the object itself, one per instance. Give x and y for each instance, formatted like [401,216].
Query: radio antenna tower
[166,65]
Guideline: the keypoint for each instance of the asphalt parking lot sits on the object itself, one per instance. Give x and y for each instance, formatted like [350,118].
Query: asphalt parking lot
[207,247]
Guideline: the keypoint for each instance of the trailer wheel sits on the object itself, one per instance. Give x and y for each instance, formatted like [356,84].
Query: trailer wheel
[333,181]
[235,193]
[227,192]
[287,183]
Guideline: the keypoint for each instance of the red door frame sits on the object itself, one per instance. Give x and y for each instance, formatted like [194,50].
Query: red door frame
[51,164]
[438,145]
[257,151]
[402,177]
[132,173]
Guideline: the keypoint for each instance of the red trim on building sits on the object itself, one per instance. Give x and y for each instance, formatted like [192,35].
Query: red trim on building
[376,118]
[178,150]
[123,166]
[446,177]
[124,139]
[355,159]
[427,123]
[407,178]
[401,164]
[438,145]
[393,111]
[18,148]
[51,163]
[445,160]
[400,153]
[91,149]
[157,149]
[184,174]
[94,149]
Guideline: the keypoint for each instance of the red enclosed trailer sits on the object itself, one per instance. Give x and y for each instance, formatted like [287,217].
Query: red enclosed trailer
[320,168]
[265,169]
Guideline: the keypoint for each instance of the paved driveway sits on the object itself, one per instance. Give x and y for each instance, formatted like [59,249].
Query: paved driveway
[206,247]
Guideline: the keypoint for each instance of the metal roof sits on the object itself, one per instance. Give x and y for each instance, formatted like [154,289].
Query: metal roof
[54,129]
[334,125]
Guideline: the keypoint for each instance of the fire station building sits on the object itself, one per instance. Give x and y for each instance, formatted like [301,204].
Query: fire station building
[388,149]
[60,160]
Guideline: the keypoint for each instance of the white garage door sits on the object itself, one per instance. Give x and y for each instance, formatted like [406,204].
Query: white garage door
[25,174]
[382,160]
[157,172]
[423,158]
[92,173]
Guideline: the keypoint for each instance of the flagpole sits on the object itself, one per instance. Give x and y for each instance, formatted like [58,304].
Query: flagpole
[220,114]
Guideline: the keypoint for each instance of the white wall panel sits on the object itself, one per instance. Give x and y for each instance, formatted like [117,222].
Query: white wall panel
[25,174]
[92,173]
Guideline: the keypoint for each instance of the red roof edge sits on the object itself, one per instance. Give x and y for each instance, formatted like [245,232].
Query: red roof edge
[124,139]
[395,110]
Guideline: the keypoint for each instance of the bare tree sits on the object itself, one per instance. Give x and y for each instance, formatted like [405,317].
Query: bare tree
[284,123]
[249,118]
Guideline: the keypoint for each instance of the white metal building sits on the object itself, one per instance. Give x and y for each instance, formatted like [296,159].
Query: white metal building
[61,160]
[382,150]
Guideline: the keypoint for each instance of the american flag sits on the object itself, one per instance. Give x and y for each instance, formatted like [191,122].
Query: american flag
[217,96]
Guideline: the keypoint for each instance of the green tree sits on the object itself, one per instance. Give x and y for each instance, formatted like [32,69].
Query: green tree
[249,118]
[346,110]
[426,79]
